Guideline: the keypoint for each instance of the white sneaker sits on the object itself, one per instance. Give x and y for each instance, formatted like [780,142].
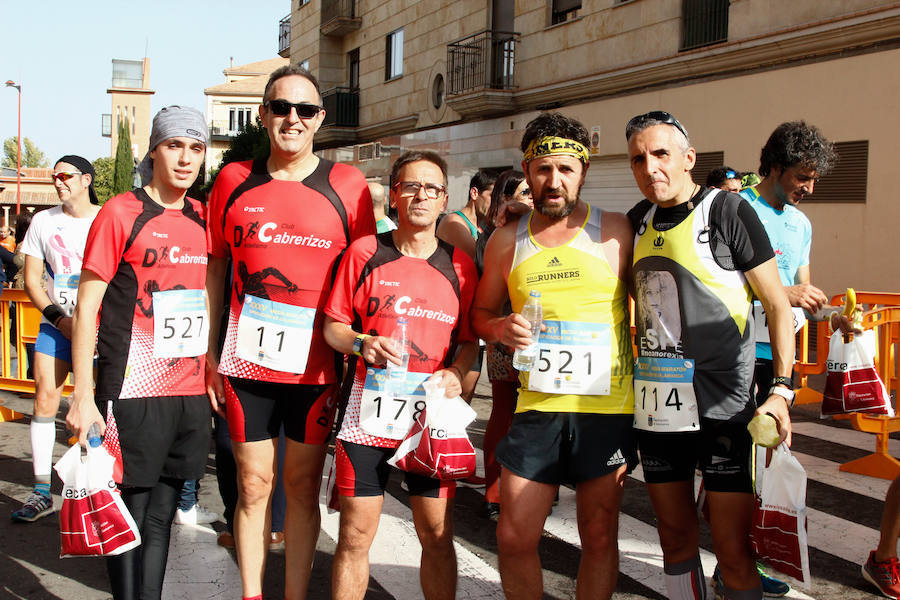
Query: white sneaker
[197,515]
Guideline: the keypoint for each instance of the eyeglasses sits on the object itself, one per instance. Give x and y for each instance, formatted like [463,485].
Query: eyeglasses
[282,108]
[654,115]
[65,175]
[411,188]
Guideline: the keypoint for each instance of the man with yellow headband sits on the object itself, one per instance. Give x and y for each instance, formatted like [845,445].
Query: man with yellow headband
[574,414]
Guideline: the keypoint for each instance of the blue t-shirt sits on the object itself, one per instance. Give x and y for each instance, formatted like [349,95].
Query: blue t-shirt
[790,233]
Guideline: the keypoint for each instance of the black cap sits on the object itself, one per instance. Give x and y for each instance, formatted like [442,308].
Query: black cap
[86,168]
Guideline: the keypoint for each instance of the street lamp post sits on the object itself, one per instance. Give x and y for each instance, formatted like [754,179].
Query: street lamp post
[12,83]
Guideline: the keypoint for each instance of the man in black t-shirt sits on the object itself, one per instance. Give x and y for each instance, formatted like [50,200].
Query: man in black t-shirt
[700,255]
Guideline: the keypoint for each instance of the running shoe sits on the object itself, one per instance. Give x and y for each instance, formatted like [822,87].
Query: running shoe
[197,515]
[772,588]
[883,575]
[38,505]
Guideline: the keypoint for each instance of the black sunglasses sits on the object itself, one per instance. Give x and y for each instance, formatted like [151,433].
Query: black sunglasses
[282,108]
[655,115]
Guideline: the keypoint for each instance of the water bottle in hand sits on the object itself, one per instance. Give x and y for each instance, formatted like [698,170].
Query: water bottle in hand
[396,374]
[93,436]
[524,359]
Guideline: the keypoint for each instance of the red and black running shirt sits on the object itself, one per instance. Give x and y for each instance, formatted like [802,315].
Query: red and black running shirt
[284,239]
[138,247]
[376,285]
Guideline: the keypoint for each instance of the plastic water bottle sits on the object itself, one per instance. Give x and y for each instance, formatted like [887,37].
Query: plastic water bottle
[396,374]
[93,436]
[524,359]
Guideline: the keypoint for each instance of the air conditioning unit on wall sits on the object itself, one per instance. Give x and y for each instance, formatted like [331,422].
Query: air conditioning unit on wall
[369,151]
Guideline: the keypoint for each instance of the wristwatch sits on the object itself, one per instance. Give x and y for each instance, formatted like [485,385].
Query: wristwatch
[788,395]
[358,343]
[787,382]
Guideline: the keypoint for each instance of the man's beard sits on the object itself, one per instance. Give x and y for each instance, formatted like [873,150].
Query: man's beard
[556,213]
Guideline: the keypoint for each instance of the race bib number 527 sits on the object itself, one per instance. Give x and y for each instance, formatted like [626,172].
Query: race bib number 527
[180,323]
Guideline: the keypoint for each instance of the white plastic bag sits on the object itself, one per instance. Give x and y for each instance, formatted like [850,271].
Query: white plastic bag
[437,445]
[93,520]
[852,383]
[779,535]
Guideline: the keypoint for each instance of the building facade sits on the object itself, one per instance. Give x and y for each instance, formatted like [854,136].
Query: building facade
[130,98]
[465,77]
[232,105]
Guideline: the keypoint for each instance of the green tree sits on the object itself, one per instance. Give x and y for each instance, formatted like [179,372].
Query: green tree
[250,144]
[103,183]
[123,170]
[31,154]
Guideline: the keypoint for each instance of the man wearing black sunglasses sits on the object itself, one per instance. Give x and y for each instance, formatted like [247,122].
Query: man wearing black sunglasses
[707,255]
[297,212]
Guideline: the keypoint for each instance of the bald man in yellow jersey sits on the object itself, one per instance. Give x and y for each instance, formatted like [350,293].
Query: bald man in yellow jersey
[573,421]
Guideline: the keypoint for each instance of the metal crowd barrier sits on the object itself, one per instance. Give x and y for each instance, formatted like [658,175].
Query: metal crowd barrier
[28,320]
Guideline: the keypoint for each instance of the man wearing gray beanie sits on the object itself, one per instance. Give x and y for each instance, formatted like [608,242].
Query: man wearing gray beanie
[297,212]
[143,272]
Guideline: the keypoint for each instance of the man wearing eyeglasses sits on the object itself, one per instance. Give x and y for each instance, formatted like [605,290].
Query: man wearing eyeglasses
[573,422]
[404,274]
[298,213]
[693,393]
[55,238]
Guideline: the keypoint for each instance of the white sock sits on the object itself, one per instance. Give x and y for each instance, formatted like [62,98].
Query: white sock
[43,436]
[685,581]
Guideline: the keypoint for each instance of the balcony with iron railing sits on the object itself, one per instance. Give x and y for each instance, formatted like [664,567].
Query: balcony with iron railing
[481,72]
[341,107]
[284,37]
[341,118]
[339,17]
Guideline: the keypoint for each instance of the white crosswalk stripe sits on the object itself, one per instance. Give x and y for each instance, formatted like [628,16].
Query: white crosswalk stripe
[395,553]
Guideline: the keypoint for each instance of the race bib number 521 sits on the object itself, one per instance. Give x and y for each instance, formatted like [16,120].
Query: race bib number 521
[572,358]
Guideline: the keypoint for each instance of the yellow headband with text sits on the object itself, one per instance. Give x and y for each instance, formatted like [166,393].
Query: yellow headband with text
[548,146]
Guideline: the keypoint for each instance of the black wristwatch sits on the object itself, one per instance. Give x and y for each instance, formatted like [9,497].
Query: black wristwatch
[784,387]
[787,382]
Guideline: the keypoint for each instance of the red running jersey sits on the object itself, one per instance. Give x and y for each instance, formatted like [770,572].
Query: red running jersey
[139,248]
[376,285]
[284,239]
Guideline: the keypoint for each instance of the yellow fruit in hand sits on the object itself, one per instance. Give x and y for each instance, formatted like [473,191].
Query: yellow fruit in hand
[764,431]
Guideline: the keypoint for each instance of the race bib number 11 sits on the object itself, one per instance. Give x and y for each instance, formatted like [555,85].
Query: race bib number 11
[275,335]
